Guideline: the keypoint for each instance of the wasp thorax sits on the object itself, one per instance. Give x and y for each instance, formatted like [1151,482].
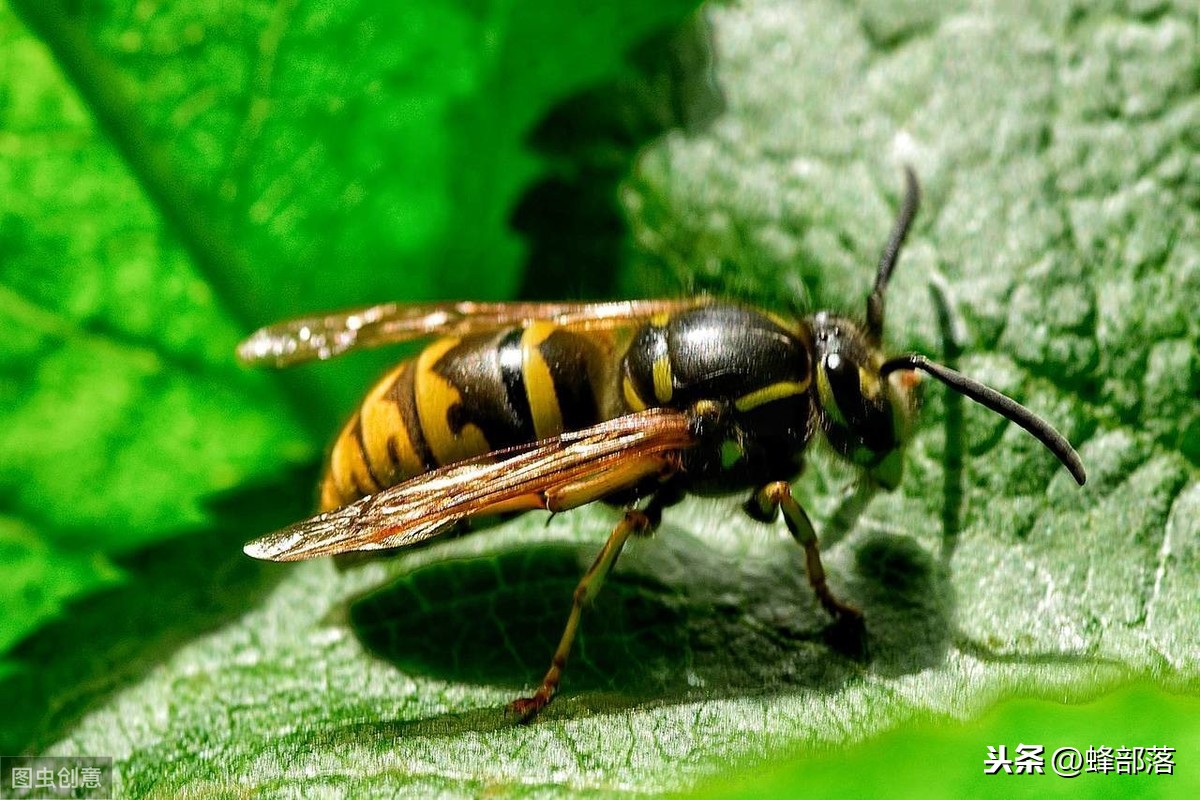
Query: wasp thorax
[863,415]
[756,368]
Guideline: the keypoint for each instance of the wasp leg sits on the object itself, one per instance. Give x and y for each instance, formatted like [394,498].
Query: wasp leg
[634,521]
[764,506]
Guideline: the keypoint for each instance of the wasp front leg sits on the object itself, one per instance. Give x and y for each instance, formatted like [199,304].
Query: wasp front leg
[634,521]
[764,506]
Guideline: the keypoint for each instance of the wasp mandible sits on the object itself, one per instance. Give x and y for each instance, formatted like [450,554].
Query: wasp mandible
[520,406]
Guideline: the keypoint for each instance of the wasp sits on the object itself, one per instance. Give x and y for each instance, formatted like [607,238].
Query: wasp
[520,406]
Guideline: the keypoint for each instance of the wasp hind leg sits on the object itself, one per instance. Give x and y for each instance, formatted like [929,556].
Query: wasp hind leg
[637,522]
[764,506]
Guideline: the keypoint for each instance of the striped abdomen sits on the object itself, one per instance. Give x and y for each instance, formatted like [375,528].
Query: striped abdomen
[462,398]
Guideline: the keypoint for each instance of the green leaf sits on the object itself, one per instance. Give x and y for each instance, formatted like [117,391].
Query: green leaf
[181,175]
[121,412]
[1057,150]
[38,580]
[943,758]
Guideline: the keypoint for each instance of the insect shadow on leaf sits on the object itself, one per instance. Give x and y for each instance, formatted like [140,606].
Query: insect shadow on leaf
[679,619]
[950,324]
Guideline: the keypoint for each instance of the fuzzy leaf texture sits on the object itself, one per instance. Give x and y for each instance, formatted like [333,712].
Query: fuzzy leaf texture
[172,178]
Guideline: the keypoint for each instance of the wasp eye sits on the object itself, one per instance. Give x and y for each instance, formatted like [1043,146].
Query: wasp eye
[843,376]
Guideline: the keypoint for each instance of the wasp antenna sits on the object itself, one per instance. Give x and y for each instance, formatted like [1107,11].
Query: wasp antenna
[1002,404]
[891,252]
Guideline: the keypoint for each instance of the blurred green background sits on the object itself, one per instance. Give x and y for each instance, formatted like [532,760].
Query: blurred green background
[172,177]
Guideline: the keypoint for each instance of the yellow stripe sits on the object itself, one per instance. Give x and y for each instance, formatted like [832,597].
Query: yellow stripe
[828,403]
[539,383]
[868,383]
[331,495]
[632,400]
[347,465]
[435,396]
[902,406]
[660,319]
[382,422]
[788,324]
[662,379]
[769,394]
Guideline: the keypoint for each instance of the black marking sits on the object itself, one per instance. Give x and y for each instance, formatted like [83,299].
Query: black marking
[570,358]
[457,418]
[357,431]
[475,368]
[403,392]
[510,355]
[394,455]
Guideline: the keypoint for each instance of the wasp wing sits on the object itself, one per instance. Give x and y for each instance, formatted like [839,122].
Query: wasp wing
[320,337]
[557,473]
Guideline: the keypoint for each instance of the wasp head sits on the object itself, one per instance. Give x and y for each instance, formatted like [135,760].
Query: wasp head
[864,400]
[864,415]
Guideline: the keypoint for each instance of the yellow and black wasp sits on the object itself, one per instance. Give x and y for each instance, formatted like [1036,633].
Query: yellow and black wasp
[520,406]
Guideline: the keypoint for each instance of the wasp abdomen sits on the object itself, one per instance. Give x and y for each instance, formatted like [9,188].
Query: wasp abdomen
[462,398]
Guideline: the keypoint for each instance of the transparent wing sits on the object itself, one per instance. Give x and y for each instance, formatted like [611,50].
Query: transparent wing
[557,473]
[320,337]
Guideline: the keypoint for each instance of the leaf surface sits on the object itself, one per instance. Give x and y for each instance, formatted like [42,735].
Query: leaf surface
[1058,151]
